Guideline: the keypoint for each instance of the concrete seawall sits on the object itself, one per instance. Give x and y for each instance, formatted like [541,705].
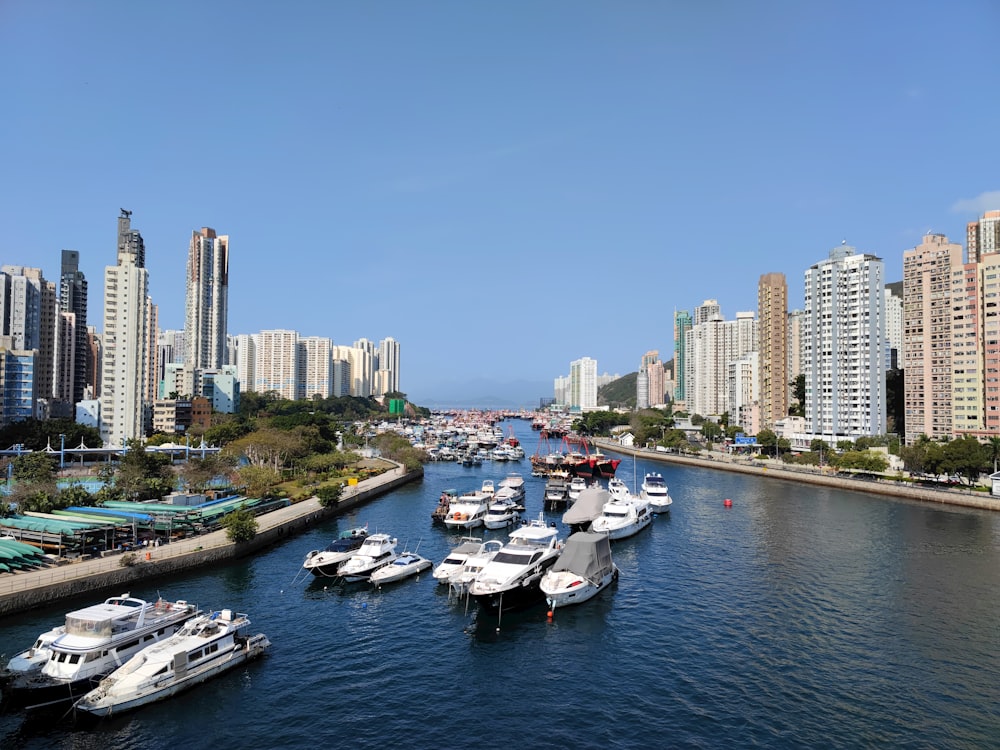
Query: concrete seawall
[24,591]
[774,470]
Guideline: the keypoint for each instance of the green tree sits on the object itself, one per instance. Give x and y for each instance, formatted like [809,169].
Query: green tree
[768,440]
[993,446]
[329,494]
[141,474]
[798,408]
[258,481]
[966,457]
[240,526]
[35,468]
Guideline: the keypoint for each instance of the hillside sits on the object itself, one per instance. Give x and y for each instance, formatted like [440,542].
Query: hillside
[618,393]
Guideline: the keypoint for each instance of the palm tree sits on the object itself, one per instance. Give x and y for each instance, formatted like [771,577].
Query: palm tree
[994,446]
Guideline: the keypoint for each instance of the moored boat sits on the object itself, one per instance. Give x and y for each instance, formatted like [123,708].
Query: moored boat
[98,639]
[326,561]
[623,516]
[406,565]
[468,510]
[204,647]
[455,559]
[584,569]
[501,513]
[376,551]
[654,489]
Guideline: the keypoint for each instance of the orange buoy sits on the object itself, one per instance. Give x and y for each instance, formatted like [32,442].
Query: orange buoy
[728,503]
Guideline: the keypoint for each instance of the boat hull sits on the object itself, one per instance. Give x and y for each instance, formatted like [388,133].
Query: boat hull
[565,595]
[524,593]
[622,532]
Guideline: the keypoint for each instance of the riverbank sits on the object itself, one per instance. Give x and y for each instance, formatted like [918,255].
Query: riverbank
[23,591]
[825,477]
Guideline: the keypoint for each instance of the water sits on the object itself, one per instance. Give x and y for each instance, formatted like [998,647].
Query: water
[801,616]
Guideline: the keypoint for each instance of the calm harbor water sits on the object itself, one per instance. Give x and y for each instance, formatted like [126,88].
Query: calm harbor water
[800,617]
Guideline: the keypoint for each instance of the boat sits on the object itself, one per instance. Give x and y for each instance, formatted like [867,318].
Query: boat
[444,504]
[204,647]
[654,489]
[98,639]
[513,486]
[511,579]
[455,559]
[32,659]
[556,491]
[468,510]
[576,486]
[588,506]
[604,467]
[623,517]
[406,565]
[326,561]
[501,513]
[618,489]
[460,581]
[377,550]
[583,570]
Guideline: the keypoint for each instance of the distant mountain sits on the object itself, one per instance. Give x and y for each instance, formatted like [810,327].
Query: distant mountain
[618,393]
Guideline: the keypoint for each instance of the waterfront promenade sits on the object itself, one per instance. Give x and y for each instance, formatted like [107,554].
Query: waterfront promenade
[827,477]
[26,590]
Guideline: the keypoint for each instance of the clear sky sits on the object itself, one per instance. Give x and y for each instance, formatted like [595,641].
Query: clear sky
[501,187]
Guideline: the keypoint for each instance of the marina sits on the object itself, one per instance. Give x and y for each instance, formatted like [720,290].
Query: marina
[756,624]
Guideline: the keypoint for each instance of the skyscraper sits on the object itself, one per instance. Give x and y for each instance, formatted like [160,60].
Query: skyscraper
[842,340]
[276,365]
[207,300]
[388,364]
[927,336]
[125,355]
[772,332]
[583,383]
[983,236]
[73,300]
[682,324]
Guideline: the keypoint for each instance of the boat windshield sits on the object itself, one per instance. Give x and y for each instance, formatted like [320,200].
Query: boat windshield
[88,627]
[513,557]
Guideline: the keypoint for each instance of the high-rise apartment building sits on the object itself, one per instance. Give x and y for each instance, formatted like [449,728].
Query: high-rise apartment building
[28,309]
[207,300]
[983,236]
[842,337]
[652,368]
[73,301]
[388,365]
[927,335]
[276,365]
[682,324]
[363,358]
[711,346]
[583,383]
[772,331]
[125,376]
[894,324]
[315,367]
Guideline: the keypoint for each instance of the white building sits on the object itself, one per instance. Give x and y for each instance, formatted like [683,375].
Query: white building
[207,300]
[583,384]
[125,370]
[276,364]
[842,344]
[315,367]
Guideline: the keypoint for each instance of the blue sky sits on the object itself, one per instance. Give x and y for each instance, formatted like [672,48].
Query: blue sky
[501,187]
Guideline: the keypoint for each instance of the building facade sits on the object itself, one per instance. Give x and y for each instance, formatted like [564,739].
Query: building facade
[772,331]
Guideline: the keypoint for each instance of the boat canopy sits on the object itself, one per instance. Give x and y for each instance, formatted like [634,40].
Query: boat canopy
[587,554]
[587,507]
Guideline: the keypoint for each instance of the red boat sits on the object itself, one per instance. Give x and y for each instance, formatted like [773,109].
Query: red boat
[605,467]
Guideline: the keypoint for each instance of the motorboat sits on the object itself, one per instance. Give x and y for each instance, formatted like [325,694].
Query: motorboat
[455,559]
[326,561]
[623,517]
[377,550]
[588,506]
[583,570]
[406,565]
[460,581]
[32,659]
[576,486]
[654,489]
[618,489]
[556,491]
[204,647]
[488,488]
[97,640]
[440,512]
[501,514]
[513,486]
[511,579]
[468,510]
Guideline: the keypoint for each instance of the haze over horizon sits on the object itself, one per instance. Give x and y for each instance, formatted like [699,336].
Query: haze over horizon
[500,188]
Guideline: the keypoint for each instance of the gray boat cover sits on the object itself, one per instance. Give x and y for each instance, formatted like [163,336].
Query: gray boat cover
[588,506]
[587,554]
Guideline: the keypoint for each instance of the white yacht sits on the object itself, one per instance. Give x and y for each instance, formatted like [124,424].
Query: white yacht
[326,561]
[512,486]
[456,558]
[501,514]
[576,486]
[623,516]
[584,569]
[654,489]
[618,489]
[406,565]
[31,660]
[377,550]
[204,647]
[468,510]
[511,579]
[460,581]
[98,639]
